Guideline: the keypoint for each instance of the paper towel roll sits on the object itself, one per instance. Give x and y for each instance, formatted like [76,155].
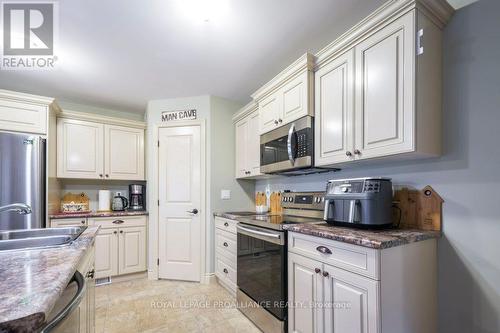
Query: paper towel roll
[104,200]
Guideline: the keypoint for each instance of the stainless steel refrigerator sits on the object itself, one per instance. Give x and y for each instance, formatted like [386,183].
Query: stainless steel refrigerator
[22,180]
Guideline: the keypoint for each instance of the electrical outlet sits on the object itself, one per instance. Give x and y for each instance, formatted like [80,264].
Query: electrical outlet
[225,194]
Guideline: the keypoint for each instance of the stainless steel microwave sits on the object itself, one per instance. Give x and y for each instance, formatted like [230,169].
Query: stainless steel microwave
[289,149]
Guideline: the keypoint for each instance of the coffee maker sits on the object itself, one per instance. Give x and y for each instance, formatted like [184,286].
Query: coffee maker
[359,202]
[136,194]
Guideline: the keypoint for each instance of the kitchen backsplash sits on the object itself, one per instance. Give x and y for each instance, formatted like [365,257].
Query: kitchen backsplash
[92,187]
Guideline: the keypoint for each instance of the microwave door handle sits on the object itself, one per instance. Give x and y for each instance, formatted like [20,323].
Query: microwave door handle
[289,144]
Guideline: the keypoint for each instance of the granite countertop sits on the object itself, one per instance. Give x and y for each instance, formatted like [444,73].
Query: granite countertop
[375,239]
[97,214]
[31,281]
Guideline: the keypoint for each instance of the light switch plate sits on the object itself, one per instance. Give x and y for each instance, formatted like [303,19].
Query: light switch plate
[225,194]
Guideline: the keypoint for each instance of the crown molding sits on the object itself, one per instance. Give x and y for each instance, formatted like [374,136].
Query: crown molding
[245,111]
[304,63]
[438,11]
[27,98]
[76,115]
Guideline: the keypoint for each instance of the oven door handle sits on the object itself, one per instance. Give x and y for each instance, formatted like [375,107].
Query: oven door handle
[73,304]
[291,156]
[263,235]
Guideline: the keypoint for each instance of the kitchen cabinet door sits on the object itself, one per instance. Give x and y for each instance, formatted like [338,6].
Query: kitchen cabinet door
[269,113]
[123,153]
[385,98]
[106,249]
[241,133]
[295,99]
[132,250]
[351,302]
[80,146]
[253,145]
[334,111]
[304,293]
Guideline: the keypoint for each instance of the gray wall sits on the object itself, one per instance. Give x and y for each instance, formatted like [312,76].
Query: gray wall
[466,176]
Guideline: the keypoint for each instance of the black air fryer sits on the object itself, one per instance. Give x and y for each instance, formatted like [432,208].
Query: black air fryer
[359,202]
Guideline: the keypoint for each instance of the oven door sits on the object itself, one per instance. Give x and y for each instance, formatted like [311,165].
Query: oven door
[262,267]
[288,147]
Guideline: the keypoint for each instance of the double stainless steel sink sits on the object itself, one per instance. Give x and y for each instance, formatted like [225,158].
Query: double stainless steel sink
[38,238]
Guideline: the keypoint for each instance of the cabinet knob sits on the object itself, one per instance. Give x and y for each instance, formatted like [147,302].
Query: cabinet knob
[115,232]
[121,231]
[107,176]
[280,120]
[100,175]
[357,152]
[275,122]
[226,224]
[225,270]
[348,153]
[225,244]
[83,222]
[317,270]
[326,274]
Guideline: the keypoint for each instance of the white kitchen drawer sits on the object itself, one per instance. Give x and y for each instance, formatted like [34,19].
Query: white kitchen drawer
[226,224]
[118,221]
[72,222]
[226,243]
[353,258]
[225,272]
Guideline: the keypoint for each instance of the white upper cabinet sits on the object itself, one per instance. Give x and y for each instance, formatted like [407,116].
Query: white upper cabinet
[334,115]
[93,150]
[124,152]
[80,149]
[385,98]
[25,113]
[378,87]
[247,142]
[287,97]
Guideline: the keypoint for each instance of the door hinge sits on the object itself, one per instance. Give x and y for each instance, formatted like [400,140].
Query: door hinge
[158,143]
[158,261]
[420,47]
[158,202]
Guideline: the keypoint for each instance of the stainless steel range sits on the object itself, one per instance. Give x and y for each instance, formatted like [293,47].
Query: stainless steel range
[262,259]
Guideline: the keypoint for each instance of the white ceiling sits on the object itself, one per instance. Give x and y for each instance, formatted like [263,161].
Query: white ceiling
[121,53]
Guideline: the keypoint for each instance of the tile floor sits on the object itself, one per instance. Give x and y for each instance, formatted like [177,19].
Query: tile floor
[167,306]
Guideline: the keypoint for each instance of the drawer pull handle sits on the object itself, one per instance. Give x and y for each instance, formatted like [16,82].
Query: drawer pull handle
[225,244]
[225,270]
[325,274]
[317,270]
[324,250]
[118,221]
[226,224]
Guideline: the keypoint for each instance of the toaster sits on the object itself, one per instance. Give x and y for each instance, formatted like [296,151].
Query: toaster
[359,202]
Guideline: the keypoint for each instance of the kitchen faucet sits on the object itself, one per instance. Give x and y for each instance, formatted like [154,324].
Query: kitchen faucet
[20,208]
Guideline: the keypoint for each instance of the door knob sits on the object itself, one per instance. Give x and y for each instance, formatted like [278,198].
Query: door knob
[194,211]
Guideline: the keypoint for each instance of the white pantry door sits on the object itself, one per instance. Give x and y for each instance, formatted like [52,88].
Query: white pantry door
[179,183]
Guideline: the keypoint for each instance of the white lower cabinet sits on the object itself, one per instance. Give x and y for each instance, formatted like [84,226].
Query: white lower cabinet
[226,253]
[328,297]
[120,245]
